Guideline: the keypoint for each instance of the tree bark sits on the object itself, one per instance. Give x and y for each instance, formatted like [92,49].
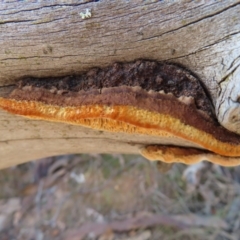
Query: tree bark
[50,38]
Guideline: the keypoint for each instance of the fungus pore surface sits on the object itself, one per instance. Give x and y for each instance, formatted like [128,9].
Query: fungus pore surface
[143,97]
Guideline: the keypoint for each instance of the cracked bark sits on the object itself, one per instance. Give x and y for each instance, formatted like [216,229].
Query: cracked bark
[50,39]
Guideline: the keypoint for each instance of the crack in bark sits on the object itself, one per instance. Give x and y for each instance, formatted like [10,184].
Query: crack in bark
[229,74]
[49,6]
[38,57]
[34,21]
[204,47]
[132,143]
[2,22]
[233,62]
[40,21]
[218,41]
[196,21]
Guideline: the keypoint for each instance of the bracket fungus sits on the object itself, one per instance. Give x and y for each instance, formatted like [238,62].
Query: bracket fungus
[142,97]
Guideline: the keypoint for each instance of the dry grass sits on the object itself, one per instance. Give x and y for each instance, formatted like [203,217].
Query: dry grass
[53,198]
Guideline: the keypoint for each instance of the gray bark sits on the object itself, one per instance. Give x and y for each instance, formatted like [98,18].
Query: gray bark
[52,39]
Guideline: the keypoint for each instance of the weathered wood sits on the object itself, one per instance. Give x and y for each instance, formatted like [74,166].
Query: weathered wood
[51,39]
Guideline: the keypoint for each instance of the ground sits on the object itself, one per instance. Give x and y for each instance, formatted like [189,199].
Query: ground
[113,197]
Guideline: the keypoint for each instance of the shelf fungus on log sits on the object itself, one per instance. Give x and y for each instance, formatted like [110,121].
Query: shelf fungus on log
[142,97]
